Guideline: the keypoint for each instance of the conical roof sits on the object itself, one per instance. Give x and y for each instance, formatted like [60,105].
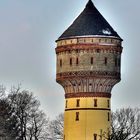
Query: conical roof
[89,23]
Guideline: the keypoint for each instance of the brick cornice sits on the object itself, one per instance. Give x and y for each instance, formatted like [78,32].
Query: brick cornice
[108,47]
[87,94]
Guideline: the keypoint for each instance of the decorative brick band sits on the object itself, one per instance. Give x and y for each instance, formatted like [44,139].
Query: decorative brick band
[87,94]
[73,109]
[108,47]
[91,74]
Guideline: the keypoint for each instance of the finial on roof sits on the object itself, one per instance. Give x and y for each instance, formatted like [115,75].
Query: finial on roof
[90,4]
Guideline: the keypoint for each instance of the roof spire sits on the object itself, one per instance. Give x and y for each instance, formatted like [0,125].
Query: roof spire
[89,23]
[90,4]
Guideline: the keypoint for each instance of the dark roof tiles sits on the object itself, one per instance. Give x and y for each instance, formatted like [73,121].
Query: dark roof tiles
[89,23]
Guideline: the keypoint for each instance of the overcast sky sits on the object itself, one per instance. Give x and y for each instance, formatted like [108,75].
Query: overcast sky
[28,30]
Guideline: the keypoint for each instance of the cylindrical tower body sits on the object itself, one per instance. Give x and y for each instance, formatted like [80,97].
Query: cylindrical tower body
[88,66]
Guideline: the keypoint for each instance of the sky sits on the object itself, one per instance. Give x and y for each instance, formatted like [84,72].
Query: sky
[28,30]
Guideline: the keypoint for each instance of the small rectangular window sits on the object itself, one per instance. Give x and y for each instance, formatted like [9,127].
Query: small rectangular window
[77,116]
[70,61]
[66,105]
[108,103]
[77,61]
[78,103]
[119,62]
[91,60]
[108,116]
[105,61]
[116,62]
[60,62]
[95,102]
[95,136]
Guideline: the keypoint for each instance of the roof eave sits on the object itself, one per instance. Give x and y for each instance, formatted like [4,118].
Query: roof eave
[89,36]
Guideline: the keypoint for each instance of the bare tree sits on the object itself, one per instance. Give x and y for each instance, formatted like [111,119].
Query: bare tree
[56,128]
[38,126]
[2,91]
[8,121]
[31,121]
[126,124]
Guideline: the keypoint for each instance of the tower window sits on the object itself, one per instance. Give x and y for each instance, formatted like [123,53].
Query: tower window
[66,105]
[77,61]
[116,62]
[60,62]
[108,104]
[78,103]
[119,61]
[105,61]
[95,102]
[91,60]
[108,116]
[95,137]
[77,116]
[70,61]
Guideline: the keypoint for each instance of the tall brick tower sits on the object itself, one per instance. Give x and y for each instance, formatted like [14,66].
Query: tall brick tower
[88,66]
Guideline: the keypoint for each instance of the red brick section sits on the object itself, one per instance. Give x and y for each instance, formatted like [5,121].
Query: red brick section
[87,94]
[89,47]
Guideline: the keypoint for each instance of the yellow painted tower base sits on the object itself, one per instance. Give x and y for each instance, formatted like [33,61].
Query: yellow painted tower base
[86,118]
